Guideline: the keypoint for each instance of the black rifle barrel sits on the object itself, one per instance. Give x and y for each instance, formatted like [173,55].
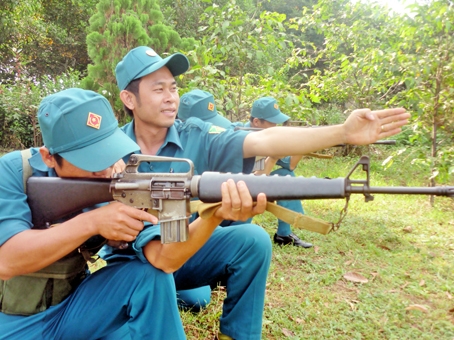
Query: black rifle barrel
[435,191]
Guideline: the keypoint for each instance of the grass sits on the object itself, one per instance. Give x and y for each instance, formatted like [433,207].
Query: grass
[403,246]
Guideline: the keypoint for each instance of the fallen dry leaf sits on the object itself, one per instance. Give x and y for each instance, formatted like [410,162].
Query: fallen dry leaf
[383,247]
[449,296]
[422,283]
[352,305]
[417,307]
[287,332]
[408,229]
[316,249]
[355,277]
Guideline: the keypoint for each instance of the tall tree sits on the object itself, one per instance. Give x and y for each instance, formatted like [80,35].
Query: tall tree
[427,61]
[115,28]
[357,56]
[43,38]
[373,58]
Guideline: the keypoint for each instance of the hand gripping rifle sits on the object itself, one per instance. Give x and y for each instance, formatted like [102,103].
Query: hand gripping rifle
[52,198]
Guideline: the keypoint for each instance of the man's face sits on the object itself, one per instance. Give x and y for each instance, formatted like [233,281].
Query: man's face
[66,169]
[262,124]
[159,99]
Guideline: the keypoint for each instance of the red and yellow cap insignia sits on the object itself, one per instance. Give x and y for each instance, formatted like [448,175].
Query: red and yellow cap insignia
[94,120]
[210,106]
[276,106]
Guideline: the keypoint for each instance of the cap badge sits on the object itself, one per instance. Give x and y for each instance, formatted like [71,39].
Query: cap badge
[151,53]
[210,106]
[94,120]
[276,106]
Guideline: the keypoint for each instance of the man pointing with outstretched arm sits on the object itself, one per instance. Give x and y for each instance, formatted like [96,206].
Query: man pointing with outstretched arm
[149,94]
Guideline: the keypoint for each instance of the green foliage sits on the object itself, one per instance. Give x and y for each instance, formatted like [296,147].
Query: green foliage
[185,15]
[329,114]
[240,58]
[426,59]
[320,59]
[19,102]
[358,62]
[40,38]
[374,59]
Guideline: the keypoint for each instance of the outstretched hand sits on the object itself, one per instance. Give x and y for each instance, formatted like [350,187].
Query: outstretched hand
[364,126]
[237,203]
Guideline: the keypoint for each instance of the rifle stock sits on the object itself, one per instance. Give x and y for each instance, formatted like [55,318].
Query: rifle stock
[52,198]
[170,193]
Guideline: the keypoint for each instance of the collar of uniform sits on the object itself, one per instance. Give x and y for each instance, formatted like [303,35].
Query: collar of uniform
[171,137]
[248,124]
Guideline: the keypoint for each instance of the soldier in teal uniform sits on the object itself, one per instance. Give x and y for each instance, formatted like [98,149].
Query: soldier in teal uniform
[200,104]
[237,257]
[265,113]
[149,94]
[46,291]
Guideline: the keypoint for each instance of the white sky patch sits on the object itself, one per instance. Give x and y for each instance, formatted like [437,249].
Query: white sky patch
[398,6]
[395,5]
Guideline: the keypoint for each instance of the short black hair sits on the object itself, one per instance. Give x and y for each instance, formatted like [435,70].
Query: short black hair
[58,159]
[251,119]
[132,87]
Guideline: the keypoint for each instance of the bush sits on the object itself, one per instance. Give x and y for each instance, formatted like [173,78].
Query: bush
[19,102]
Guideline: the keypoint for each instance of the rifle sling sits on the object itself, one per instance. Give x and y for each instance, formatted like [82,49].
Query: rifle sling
[298,220]
[27,170]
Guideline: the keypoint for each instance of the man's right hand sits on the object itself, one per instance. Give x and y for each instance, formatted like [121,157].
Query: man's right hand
[119,222]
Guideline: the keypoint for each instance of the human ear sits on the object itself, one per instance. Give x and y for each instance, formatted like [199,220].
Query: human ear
[47,158]
[127,99]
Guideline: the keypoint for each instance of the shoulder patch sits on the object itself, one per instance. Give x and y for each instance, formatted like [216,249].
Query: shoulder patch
[216,129]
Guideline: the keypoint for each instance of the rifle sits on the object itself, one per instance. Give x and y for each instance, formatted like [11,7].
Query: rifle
[52,198]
